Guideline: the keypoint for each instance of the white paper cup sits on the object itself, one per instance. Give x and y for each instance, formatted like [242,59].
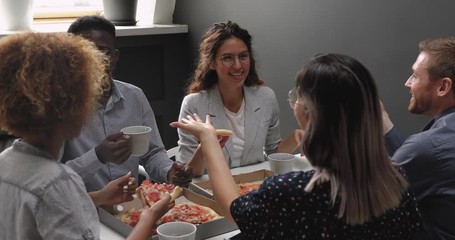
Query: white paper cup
[16,15]
[176,231]
[281,162]
[140,139]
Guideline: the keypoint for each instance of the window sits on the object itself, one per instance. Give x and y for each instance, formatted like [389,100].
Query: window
[50,9]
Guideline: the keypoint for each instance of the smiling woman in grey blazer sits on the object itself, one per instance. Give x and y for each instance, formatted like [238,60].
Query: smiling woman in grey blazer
[226,86]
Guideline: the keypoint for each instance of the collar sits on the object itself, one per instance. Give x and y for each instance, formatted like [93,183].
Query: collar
[439,116]
[22,146]
[116,95]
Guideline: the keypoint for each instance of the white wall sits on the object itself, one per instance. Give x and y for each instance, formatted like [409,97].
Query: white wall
[383,35]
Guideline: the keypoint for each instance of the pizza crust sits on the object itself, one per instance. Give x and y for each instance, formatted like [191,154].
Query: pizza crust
[223,132]
[177,192]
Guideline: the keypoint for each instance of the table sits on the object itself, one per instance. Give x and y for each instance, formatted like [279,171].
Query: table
[301,164]
[107,233]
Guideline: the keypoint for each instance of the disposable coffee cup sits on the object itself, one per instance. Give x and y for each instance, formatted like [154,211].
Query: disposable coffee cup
[16,15]
[140,139]
[176,231]
[281,163]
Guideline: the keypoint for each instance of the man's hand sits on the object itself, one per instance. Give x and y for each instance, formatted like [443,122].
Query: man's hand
[116,148]
[180,174]
[117,191]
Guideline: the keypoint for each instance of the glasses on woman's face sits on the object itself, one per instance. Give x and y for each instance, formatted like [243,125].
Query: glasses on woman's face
[294,99]
[228,59]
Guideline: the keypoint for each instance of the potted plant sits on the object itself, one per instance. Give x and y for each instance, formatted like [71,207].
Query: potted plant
[16,14]
[120,12]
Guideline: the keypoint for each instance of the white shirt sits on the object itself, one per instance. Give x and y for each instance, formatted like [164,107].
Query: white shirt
[237,123]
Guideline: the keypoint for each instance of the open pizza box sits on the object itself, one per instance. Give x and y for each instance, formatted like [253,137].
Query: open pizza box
[204,230]
[204,188]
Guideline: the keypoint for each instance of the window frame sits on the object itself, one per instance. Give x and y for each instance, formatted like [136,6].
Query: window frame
[54,11]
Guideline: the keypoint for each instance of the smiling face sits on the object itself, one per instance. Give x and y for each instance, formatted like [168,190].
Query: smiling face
[232,52]
[421,87]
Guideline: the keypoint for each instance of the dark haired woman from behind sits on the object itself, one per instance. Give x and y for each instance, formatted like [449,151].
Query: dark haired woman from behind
[226,86]
[354,192]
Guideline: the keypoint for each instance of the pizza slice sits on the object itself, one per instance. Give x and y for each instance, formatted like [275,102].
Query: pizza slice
[181,212]
[130,217]
[245,188]
[150,193]
[189,212]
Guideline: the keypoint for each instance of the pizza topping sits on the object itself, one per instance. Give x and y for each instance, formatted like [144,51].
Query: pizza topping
[153,192]
[181,212]
[150,193]
[245,188]
[189,212]
[131,217]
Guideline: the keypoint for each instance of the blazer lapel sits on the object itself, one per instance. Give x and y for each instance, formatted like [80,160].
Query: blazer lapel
[218,117]
[252,120]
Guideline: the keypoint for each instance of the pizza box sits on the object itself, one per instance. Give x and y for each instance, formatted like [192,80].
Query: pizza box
[205,230]
[204,188]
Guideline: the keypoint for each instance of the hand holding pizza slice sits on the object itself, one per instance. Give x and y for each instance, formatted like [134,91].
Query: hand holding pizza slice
[150,193]
[152,196]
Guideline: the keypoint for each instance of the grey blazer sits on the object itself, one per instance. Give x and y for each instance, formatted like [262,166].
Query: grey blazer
[262,134]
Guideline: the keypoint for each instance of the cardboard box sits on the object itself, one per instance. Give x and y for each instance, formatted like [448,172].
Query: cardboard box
[204,188]
[205,230]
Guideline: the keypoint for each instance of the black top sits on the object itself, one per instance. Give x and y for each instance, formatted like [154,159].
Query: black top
[281,209]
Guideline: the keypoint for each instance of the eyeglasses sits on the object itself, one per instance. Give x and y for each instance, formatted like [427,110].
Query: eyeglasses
[228,59]
[293,99]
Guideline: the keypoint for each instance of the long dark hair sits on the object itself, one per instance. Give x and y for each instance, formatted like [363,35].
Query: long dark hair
[344,136]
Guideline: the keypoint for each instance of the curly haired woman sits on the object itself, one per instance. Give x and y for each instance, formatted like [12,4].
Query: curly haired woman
[50,83]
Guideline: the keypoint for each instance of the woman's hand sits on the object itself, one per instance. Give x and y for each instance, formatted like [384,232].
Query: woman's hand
[194,125]
[149,216]
[152,214]
[117,191]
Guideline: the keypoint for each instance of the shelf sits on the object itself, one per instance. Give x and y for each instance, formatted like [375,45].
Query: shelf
[121,31]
